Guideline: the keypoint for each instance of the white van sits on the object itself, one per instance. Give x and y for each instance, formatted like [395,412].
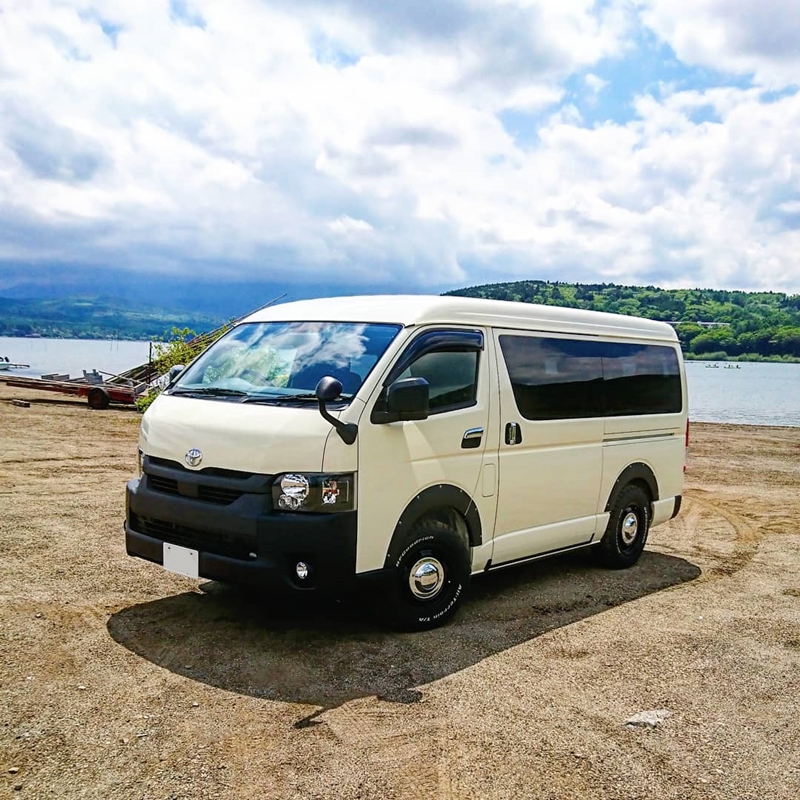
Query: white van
[410,442]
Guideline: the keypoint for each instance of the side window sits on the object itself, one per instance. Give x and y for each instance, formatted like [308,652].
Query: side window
[448,359]
[554,378]
[573,379]
[451,375]
[641,379]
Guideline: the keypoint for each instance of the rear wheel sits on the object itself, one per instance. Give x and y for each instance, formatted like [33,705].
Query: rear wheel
[430,577]
[626,533]
[98,398]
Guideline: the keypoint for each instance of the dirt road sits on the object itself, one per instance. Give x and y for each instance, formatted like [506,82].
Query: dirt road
[119,680]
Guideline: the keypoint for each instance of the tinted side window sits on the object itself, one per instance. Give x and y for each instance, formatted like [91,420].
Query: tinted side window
[641,379]
[554,378]
[452,376]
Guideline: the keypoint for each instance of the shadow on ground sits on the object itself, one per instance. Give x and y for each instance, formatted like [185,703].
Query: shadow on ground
[51,401]
[325,654]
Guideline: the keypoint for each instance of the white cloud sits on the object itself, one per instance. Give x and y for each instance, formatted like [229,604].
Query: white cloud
[594,83]
[369,136]
[345,224]
[739,36]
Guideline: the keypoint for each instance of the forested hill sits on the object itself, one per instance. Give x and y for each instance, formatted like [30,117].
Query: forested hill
[94,318]
[749,326]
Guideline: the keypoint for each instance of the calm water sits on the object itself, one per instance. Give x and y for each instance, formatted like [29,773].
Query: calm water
[72,355]
[755,394]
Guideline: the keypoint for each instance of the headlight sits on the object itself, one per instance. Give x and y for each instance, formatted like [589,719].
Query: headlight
[314,492]
[141,462]
[294,491]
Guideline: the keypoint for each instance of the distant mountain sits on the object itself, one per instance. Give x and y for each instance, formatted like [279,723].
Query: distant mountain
[711,323]
[90,304]
[94,318]
[216,299]
[206,296]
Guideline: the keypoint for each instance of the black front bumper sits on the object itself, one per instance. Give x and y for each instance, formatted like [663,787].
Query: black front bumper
[230,521]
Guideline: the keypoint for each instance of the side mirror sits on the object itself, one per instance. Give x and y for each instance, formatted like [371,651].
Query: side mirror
[408,399]
[328,389]
[173,373]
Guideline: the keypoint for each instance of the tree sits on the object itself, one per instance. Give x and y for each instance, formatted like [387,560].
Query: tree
[182,347]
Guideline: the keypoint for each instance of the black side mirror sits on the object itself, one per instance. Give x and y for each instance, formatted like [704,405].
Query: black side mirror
[173,373]
[328,389]
[408,399]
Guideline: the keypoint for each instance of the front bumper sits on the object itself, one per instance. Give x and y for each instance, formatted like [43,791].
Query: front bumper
[229,520]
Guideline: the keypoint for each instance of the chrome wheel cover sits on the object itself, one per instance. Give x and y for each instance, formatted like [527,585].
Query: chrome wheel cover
[426,578]
[629,528]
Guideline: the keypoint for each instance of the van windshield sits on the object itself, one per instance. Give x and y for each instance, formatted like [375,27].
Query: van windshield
[280,361]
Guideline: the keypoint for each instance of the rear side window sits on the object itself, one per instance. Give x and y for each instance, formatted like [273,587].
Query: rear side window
[554,378]
[575,379]
[640,379]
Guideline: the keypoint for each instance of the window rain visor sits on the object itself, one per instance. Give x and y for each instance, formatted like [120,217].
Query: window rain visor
[284,361]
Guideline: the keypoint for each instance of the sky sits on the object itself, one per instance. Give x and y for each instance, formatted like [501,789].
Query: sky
[414,145]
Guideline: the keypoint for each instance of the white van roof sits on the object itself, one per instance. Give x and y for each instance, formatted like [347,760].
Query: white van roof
[409,310]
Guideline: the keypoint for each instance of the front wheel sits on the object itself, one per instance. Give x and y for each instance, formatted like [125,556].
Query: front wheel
[626,533]
[430,578]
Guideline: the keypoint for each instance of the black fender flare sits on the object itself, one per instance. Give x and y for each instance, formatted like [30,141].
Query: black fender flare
[442,495]
[632,473]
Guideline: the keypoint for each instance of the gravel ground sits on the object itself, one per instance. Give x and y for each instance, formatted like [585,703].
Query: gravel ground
[119,680]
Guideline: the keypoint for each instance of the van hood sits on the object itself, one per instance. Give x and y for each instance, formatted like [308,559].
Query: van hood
[246,437]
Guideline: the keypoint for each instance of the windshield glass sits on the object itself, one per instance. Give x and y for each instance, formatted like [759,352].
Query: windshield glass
[273,360]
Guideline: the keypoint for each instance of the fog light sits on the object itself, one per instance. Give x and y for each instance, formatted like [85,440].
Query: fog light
[302,570]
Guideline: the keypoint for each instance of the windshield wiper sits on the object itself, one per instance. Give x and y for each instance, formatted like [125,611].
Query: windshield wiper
[211,391]
[288,398]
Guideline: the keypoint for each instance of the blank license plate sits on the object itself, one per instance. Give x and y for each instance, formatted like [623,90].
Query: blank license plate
[181,560]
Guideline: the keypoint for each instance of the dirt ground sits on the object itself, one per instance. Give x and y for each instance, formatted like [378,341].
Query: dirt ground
[120,680]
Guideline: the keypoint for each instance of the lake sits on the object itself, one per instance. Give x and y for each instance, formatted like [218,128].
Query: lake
[754,394]
[73,355]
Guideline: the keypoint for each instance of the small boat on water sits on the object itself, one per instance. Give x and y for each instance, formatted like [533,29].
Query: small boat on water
[5,364]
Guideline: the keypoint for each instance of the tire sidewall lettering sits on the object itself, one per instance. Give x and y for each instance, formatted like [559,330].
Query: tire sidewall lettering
[413,613]
[410,547]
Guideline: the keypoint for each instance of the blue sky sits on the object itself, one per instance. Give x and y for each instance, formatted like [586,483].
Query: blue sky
[407,146]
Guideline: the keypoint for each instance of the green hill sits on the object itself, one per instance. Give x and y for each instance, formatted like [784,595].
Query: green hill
[711,324]
[94,318]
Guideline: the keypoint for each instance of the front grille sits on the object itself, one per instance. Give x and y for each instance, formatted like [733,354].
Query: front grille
[164,485]
[233,545]
[214,494]
[210,494]
[232,474]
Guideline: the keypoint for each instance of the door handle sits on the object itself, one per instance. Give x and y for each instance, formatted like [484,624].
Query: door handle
[513,433]
[472,438]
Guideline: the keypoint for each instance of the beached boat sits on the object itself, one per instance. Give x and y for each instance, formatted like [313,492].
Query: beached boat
[6,364]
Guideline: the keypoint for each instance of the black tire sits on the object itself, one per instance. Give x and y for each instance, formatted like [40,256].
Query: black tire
[98,398]
[429,544]
[628,526]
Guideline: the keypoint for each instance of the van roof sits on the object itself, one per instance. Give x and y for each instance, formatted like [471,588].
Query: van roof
[410,310]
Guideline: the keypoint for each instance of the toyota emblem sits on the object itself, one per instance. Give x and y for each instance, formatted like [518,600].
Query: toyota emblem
[194,457]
